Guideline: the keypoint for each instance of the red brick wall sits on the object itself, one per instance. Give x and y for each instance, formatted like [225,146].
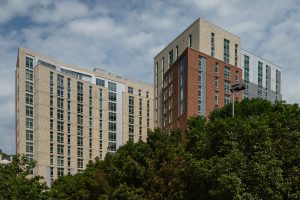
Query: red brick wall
[191,60]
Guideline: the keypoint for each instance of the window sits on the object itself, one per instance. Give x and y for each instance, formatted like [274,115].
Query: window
[51,148]
[177,51]
[60,81]
[60,161]
[112,146]
[190,41]
[60,126]
[60,114]
[29,111]
[79,108]
[140,92]
[112,116]
[130,90]
[112,126]
[246,74]
[60,149]
[147,94]
[79,119]
[227,87]
[237,76]
[60,172]
[29,123]
[227,72]
[112,106]
[60,103]
[216,98]
[29,75]
[212,45]
[29,63]
[112,96]
[80,152]
[170,60]
[236,55]
[60,138]
[216,83]
[217,69]
[100,82]
[80,163]
[112,136]
[79,141]
[260,77]
[226,99]
[226,50]
[29,99]
[29,87]
[29,147]
[29,135]
[112,86]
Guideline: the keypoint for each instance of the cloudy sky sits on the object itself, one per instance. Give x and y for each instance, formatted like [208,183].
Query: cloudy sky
[123,36]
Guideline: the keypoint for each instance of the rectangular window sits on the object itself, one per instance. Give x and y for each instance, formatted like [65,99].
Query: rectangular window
[60,114]
[226,99]
[216,84]
[29,135]
[212,45]
[177,54]
[29,87]
[29,63]
[100,82]
[60,161]
[130,90]
[112,106]
[235,55]
[112,86]
[29,123]
[246,75]
[29,99]
[170,60]
[260,77]
[80,163]
[112,96]
[226,50]
[190,40]
[217,69]
[227,87]
[112,126]
[29,75]
[60,149]
[227,72]
[60,103]
[60,126]
[29,111]
[60,138]
[29,147]
[112,116]
[80,152]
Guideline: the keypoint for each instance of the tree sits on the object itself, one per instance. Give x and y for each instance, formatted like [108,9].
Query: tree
[91,184]
[16,183]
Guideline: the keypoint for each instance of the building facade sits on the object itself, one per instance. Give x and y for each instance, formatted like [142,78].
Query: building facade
[262,78]
[206,59]
[67,115]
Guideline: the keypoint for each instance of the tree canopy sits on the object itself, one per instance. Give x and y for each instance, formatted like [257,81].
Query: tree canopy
[255,155]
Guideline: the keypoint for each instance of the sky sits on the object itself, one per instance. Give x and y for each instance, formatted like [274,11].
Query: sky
[123,37]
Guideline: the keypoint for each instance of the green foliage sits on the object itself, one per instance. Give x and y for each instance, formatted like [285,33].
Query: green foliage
[255,155]
[16,183]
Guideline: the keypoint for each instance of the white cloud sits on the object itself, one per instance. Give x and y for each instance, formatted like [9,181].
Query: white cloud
[59,11]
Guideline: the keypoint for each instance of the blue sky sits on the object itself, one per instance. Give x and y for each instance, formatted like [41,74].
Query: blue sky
[123,37]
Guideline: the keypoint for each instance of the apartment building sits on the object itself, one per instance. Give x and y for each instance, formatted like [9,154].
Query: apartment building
[67,115]
[262,78]
[193,74]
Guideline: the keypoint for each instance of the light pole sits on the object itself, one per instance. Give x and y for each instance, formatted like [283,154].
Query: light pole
[236,88]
